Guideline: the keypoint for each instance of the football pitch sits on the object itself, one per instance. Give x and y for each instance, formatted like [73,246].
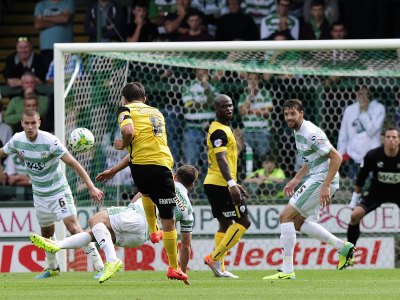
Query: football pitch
[310,284]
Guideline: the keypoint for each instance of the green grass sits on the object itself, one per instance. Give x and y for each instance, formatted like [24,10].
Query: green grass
[310,284]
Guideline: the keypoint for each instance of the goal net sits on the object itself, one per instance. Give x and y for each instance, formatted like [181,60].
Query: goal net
[181,79]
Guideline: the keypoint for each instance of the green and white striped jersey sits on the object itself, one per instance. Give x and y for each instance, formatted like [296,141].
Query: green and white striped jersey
[42,161]
[313,146]
[183,212]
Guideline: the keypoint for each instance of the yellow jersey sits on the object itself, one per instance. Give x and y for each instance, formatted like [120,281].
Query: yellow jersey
[220,138]
[149,144]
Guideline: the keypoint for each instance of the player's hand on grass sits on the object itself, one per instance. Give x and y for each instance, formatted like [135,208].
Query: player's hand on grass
[105,175]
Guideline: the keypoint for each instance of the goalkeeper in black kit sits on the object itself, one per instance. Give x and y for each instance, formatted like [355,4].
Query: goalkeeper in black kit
[384,163]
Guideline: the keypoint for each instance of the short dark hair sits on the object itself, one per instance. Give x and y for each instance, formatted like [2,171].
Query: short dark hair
[187,174]
[317,3]
[390,128]
[134,91]
[31,113]
[141,3]
[293,103]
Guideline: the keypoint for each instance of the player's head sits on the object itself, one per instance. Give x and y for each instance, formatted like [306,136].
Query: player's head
[134,91]
[293,113]
[223,108]
[187,175]
[338,30]
[30,123]
[391,138]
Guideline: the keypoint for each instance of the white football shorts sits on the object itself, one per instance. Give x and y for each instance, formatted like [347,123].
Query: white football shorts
[129,226]
[306,198]
[52,209]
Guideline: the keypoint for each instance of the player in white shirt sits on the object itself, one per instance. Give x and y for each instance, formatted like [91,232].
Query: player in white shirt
[126,226]
[321,163]
[52,196]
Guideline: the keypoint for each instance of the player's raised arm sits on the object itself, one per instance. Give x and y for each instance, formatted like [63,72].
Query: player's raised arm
[110,173]
[95,193]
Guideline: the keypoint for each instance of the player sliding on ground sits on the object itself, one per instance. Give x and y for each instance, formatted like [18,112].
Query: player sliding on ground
[126,226]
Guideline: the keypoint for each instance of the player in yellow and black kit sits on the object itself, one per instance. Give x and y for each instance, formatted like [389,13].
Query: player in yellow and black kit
[226,197]
[144,137]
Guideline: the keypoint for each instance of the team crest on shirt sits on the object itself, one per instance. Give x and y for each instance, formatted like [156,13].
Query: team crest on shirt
[44,154]
[380,164]
[22,153]
[217,142]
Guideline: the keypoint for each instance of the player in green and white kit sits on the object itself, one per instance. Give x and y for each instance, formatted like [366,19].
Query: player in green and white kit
[126,226]
[52,196]
[321,163]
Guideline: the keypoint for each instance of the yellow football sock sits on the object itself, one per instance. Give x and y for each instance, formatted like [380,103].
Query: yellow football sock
[150,210]
[218,238]
[231,238]
[170,239]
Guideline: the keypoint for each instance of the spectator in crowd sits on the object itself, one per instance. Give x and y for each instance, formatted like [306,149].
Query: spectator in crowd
[159,9]
[259,9]
[331,10]
[13,113]
[21,61]
[265,179]
[54,20]
[175,23]
[112,19]
[212,10]
[196,32]
[236,25]
[141,29]
[318,27]
[338,31]
[280,21]
[255,106]
[360,130]
[31,102]
[198,98]
[397,118]
[15,170]
[5,130]
[68,69]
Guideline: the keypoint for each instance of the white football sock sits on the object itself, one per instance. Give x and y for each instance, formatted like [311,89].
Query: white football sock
[288,241]
[51,260]
[103,238]
[75,241]
[318,232]
[94,256]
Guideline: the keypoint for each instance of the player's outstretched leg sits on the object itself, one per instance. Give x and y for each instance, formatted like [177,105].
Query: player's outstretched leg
[47,245]
[110,268]
[345,255]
